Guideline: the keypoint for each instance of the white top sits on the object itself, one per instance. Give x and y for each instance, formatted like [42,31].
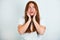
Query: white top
[29,36]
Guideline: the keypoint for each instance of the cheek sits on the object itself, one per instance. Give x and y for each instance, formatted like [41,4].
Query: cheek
[29,10]
[34,11]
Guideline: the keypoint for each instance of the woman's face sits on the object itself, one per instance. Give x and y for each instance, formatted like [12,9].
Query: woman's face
[31,9]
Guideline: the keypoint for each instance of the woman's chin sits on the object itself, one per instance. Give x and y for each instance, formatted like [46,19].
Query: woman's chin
[32,15]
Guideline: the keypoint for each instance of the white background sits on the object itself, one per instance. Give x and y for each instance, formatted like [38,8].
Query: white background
[12,10]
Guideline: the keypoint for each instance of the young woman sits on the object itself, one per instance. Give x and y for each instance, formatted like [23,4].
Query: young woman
[32,20]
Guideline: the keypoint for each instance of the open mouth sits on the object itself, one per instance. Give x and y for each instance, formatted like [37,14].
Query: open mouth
[31,12]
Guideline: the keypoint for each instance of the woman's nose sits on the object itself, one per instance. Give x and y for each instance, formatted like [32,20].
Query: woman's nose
[31,9]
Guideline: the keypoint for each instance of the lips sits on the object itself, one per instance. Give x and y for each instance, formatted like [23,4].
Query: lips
[31,12]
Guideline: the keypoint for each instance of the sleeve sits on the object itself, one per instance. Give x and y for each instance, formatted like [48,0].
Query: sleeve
[21,21]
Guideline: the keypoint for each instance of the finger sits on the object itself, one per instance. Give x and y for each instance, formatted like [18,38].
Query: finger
[35,14]
[27,14]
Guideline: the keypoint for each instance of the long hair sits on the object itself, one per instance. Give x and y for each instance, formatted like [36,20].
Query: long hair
[37,16]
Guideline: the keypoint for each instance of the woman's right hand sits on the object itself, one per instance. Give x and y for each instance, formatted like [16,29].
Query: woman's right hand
[29,15]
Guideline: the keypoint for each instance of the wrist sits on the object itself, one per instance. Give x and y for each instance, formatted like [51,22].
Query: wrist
[34,20]
[30,20]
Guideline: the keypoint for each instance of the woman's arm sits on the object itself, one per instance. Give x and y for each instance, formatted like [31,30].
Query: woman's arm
[23,28]
[40,28]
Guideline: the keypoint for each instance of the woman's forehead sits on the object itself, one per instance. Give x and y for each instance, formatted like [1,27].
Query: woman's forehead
[31,4]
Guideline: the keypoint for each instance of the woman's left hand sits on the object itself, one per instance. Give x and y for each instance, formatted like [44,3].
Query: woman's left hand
[34,16]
